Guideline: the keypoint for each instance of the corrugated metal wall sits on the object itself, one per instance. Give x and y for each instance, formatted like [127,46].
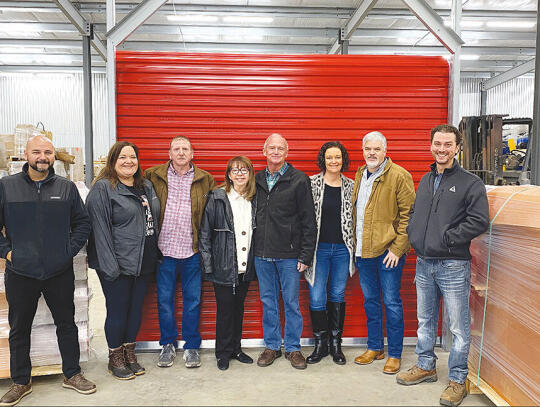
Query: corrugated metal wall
[56,100]
[229,104]
[514,98]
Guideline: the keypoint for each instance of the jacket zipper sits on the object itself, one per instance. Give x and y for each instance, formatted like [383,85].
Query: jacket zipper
[430,207]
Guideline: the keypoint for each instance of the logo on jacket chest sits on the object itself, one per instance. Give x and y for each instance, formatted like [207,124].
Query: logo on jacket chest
[452,188]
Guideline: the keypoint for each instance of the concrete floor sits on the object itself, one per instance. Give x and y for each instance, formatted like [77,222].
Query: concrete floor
[322,384]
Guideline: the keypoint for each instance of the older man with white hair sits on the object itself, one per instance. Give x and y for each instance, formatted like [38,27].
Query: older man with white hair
[284,245]
[383,194]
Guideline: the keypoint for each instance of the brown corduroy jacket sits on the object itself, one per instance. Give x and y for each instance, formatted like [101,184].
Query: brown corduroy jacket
[387,211]
[202,183]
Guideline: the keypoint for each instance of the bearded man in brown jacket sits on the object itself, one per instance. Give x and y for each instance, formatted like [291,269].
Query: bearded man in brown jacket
[383,194]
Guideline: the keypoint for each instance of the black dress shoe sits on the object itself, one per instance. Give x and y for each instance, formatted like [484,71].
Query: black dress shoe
[223,364]
[243,358]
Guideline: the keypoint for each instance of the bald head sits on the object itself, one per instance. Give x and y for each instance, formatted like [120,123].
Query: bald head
[39,153]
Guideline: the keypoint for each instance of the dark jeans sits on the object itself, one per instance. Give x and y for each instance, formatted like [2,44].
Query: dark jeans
[229,318]
[124,299]
[189,272]
[22,295]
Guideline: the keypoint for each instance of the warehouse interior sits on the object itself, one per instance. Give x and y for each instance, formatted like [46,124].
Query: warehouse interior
[227,73]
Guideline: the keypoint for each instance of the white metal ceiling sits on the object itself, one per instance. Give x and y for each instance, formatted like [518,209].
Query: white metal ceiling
[498,34]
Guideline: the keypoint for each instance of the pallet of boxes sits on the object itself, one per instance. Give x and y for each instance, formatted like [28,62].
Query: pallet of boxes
[504,360]
[44,352]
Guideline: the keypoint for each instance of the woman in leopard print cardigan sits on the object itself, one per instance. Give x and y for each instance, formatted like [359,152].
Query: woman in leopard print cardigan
[333,262]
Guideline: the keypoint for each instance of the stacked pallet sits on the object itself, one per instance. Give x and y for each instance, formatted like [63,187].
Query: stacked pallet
[504,339]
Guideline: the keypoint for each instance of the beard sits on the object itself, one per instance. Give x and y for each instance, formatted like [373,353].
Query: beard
[35,167]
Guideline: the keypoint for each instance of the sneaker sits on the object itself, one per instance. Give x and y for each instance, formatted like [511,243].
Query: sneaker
[15,393]
[167,355]
[453,395]
[80,384]
[192,358]
[416,375]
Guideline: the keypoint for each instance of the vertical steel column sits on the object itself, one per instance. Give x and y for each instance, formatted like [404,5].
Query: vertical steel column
[88,120]
[111,73]
[483,102]
[454,84]
[534,143]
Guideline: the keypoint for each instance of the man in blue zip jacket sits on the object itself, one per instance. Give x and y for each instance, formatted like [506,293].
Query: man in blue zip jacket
[450,210]
[46,225]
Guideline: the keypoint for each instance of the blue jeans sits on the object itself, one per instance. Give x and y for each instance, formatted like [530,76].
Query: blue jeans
[332,270]
[450,279]
[270,274]
[374,278]
[190,275]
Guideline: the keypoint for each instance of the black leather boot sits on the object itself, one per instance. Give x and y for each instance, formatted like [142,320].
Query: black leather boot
[117,364]
[319,322]
[336,319]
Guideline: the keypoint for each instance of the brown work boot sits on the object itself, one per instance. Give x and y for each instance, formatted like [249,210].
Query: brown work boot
[453,395]
[15,393]
[416,375]
[117,364]
[80,384]
[392,366]
[267,357]
[297,359]
[369,356]
[131,359]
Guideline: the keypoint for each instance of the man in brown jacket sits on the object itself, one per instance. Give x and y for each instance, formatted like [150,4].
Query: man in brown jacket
[181,188]
[383,194]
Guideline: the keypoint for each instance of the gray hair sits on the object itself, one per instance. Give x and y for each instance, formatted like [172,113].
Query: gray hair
[375,136]
[272,135]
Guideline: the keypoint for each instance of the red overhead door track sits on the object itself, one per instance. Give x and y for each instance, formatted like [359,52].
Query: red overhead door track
[228,104]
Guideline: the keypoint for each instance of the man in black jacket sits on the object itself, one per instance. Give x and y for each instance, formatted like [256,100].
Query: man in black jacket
[46,225]
[450,210]
[284,244]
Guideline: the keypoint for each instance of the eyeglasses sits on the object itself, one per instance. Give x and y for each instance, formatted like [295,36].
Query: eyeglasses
[236,171]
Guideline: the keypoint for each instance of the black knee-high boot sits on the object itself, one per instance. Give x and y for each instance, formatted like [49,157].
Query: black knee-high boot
[336,319]
[319,321]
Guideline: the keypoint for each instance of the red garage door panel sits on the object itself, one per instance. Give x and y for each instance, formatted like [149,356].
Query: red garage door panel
[228,104]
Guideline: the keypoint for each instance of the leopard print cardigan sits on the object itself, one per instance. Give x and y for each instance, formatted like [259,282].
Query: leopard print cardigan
[317,189]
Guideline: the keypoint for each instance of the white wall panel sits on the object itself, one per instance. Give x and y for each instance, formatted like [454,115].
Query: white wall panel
[56,100]
[515,97]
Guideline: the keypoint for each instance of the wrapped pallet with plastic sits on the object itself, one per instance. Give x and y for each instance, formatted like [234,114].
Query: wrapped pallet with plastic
[505,297]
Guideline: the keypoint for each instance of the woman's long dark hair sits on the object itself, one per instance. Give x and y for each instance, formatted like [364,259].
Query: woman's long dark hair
[108,172]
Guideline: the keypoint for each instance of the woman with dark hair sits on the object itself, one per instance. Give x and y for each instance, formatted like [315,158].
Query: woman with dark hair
[227,254]
[123,250]
[333,262]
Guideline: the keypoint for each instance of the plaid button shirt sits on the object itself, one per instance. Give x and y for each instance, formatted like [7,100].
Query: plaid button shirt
[176,236]
[271,179]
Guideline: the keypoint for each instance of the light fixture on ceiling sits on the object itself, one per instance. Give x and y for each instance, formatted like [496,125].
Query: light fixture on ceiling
[247,20]
[469,57]
[192,18]
[510,24]
[466,23]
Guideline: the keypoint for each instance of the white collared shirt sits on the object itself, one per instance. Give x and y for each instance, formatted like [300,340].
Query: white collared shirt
[241,209]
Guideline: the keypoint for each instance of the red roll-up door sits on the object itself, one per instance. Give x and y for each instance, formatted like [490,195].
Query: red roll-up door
[228,104]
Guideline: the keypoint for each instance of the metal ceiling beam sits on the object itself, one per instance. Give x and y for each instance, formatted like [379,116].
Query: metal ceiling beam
[293,11]
[361,12]
[134,19]
[305,48]
[82,25]
[173,29]
[434,23]
[509,75]
[48,68]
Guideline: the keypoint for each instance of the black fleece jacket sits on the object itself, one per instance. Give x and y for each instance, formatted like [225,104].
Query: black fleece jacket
[442,225]
[45,227]
[286,226]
